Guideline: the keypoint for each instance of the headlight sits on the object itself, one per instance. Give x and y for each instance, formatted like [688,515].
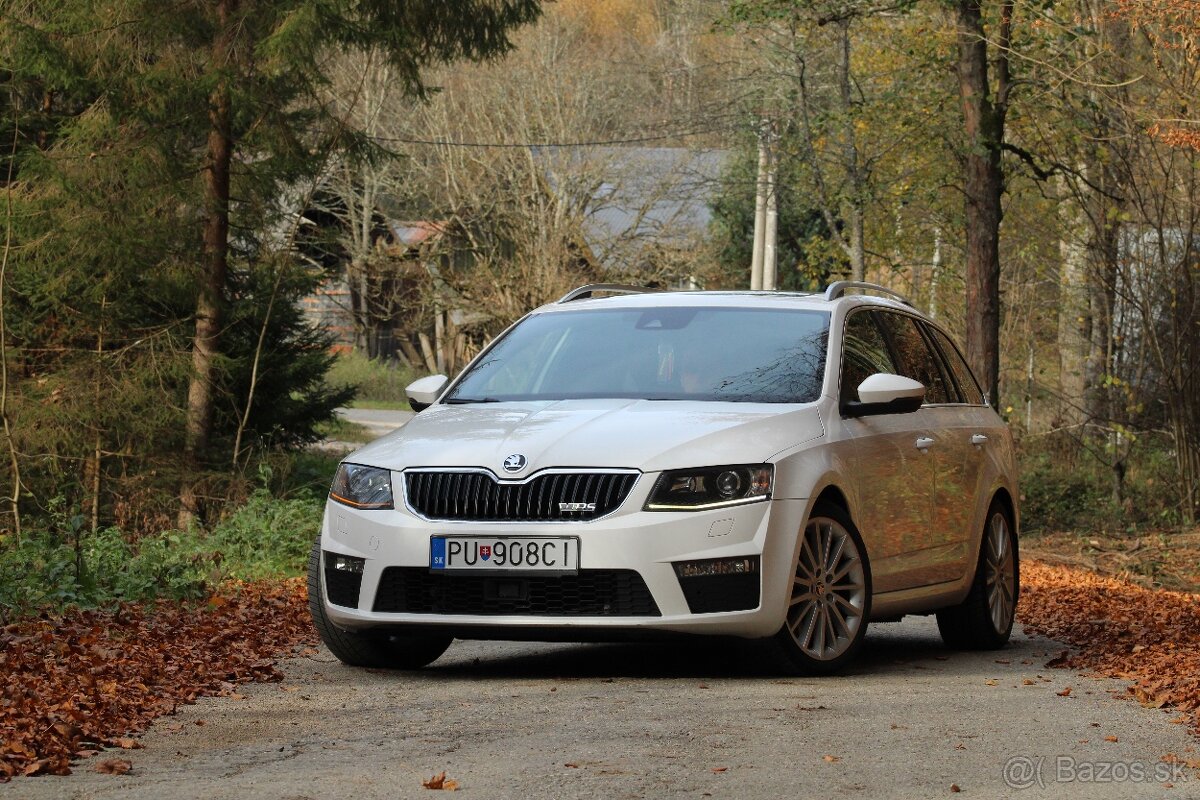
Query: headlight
[362,487]
[711,487]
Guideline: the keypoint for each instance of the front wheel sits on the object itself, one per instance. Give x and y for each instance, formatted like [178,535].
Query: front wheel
[369,648]
[984,620]
[830,595]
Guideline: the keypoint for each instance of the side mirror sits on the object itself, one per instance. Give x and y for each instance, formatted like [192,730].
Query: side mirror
[884,393]
[423,392]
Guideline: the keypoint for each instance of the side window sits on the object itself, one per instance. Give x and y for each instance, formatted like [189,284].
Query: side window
[864,352]
[967,385]
[935,352]
[913,357]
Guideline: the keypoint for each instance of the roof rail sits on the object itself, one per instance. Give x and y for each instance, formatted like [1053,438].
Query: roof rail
[838,288]
[592,288]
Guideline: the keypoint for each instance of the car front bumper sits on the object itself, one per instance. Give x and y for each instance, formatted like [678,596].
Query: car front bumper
[648,543]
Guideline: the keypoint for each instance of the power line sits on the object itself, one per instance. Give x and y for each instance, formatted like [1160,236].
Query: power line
[549,145]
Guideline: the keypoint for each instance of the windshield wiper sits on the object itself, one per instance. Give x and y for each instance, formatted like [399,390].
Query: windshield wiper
[461,401]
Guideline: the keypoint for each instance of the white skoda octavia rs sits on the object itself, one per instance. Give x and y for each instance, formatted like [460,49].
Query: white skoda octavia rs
[770,466]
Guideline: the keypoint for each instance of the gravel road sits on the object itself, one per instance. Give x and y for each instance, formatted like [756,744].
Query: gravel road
[529,721]
[378,421]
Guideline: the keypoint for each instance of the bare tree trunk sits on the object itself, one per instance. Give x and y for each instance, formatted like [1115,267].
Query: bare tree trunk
[216,265]
[97,439]
[1102,301]
[935,273]
[1073,314]
[983,184]
[856,247]
[14,465]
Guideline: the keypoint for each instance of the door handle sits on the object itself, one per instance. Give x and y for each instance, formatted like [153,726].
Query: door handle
[924,443]
[979,439]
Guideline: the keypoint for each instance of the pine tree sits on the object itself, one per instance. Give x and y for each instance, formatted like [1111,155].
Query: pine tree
[157,163]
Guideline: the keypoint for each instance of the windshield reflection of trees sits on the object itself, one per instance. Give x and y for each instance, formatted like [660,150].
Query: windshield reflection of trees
[766,365]
[793,376]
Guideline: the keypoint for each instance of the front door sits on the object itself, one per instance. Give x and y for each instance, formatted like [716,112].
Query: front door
[893,469]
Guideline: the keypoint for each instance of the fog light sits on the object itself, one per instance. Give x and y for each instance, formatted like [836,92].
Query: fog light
[717,566]
[349,564]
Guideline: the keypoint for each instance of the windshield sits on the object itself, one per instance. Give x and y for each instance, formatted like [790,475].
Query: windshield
[731,354]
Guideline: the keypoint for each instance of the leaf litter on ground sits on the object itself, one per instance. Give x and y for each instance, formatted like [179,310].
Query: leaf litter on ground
[74,684]
[1148,637]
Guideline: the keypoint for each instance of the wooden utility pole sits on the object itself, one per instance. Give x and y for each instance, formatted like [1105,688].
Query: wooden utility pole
[771,234]
[760,213]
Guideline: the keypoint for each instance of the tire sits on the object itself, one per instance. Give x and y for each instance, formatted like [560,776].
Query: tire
[984,620]
[837,601]
[369,648]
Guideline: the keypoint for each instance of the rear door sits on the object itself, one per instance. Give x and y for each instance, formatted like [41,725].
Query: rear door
[970,428]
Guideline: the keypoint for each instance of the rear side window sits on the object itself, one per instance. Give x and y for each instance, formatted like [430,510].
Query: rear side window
[968,387]
[913,356]
[864,352]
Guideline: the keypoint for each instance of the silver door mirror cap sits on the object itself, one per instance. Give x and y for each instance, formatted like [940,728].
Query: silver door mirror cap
[424,392]
[883,387]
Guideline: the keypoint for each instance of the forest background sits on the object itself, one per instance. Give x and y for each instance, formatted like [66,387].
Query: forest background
[177,188]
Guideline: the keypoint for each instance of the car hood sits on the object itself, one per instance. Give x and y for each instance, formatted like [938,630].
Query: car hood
[642,434]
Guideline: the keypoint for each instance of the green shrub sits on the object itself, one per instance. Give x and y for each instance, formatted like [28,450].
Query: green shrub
[1056,499]
[46,571]
[1079,495]
[267,537]
[377,382]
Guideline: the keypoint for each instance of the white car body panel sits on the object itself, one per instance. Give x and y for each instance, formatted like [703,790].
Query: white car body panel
[921,544]
[651,435]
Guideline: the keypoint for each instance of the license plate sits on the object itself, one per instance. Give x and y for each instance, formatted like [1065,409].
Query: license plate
[504,554]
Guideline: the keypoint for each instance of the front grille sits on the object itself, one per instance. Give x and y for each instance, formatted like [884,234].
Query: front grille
[591,593]
[709,594]
[479,496]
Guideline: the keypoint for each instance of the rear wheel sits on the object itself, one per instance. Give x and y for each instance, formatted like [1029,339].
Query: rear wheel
[368,648]
[984,620]
[830,598]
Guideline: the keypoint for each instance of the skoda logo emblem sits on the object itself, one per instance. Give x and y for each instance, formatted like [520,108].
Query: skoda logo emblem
[515,463]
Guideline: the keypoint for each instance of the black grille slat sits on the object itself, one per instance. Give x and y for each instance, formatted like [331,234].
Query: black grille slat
[555,486]
[590,593]
[435,494]
[475,489]
[477,496]
[586,494]
[601,482]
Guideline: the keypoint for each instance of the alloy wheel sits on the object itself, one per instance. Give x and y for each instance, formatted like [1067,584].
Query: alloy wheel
[829,591]
[1000,573]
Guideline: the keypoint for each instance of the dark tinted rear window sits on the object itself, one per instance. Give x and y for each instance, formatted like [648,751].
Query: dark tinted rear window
[967,385]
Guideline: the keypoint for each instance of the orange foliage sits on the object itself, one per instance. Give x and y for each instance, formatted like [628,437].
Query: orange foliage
[1178,19]
[1175,137]
[1171,26]
[73,685]
[612,19]
[1146,636]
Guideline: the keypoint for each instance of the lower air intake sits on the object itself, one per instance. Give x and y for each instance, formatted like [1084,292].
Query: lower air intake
[591,593]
